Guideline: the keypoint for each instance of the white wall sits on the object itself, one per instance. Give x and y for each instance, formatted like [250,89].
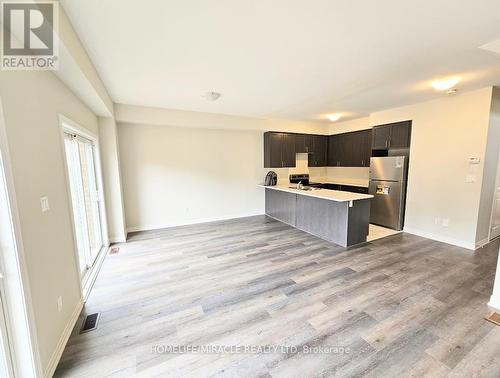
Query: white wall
[181,175]
[32,102]
[143,115]
[347,126]
[174,176]
[445,133]
[490,171]
[181,167]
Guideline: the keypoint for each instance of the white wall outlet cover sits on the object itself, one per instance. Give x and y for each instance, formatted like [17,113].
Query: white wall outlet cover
[44,203]
[470,178]
[446,222]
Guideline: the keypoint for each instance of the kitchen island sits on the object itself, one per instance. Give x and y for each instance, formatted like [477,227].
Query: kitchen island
[337,216]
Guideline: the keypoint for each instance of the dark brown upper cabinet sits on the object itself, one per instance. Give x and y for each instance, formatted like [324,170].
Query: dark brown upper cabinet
[304,143]
[279,150]
[350,149]
[366,147]
[334,150]
[318,153]
[393,135]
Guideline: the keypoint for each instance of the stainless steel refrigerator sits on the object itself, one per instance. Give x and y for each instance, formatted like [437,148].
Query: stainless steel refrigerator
[388,186]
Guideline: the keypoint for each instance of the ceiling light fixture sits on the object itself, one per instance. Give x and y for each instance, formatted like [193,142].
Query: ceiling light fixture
[446,84]
[212,96]
[334,117]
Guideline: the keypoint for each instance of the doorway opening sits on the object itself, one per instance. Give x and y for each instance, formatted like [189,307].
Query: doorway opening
[85,187]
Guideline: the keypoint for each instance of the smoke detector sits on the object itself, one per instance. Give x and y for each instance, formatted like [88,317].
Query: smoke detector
[212,96]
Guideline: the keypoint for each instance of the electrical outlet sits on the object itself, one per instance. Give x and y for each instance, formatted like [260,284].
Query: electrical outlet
[59,304]
[446,222]
[470,179]
[44,203]
[437,221]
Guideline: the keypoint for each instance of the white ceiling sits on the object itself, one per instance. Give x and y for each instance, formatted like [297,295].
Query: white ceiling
[291,59]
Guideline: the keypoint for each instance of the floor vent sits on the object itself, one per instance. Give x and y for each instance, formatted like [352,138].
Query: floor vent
[90,323]
[494,317]
[114,250]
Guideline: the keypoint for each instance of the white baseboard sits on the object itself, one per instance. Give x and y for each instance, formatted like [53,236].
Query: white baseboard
[158,226]
[494,303]
[118,239]
[441,238]
[56,356]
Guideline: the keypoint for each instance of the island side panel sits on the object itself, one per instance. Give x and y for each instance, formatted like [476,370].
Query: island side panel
[358,222]
[281,206]
[323,218]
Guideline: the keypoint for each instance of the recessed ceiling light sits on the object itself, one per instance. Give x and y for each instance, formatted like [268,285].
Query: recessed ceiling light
[212,96]
[444,85]
[334,117]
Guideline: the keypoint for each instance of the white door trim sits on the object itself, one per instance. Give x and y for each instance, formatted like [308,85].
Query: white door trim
[29,359]
[67,125]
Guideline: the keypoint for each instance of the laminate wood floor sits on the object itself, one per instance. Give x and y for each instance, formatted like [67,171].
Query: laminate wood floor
[402,306]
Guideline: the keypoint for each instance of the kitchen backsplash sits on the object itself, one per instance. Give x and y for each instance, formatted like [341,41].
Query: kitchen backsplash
[355,175]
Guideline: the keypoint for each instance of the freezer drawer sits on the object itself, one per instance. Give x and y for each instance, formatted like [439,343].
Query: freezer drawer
[386,205]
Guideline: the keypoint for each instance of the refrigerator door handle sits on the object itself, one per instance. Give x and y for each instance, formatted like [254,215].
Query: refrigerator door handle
[379,180]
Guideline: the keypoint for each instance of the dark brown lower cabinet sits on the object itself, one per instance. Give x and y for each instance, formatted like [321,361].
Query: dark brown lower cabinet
[343,223]
[281,206]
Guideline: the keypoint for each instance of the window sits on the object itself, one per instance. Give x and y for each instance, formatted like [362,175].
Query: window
[85,199]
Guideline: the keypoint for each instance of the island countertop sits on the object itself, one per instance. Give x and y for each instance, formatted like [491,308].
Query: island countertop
[327,194]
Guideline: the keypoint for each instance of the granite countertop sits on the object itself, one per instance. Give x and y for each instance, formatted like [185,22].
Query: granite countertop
[331,195]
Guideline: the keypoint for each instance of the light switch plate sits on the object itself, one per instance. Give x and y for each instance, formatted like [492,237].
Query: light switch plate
[44,203]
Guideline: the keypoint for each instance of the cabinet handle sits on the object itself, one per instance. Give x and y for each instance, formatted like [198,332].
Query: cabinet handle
[389,143]
[386,144]
[363,163]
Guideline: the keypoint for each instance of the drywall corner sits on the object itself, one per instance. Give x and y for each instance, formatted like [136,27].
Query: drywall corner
[108,139]
[491,156]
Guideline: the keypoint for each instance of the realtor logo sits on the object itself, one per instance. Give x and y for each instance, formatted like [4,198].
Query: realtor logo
[29,39]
